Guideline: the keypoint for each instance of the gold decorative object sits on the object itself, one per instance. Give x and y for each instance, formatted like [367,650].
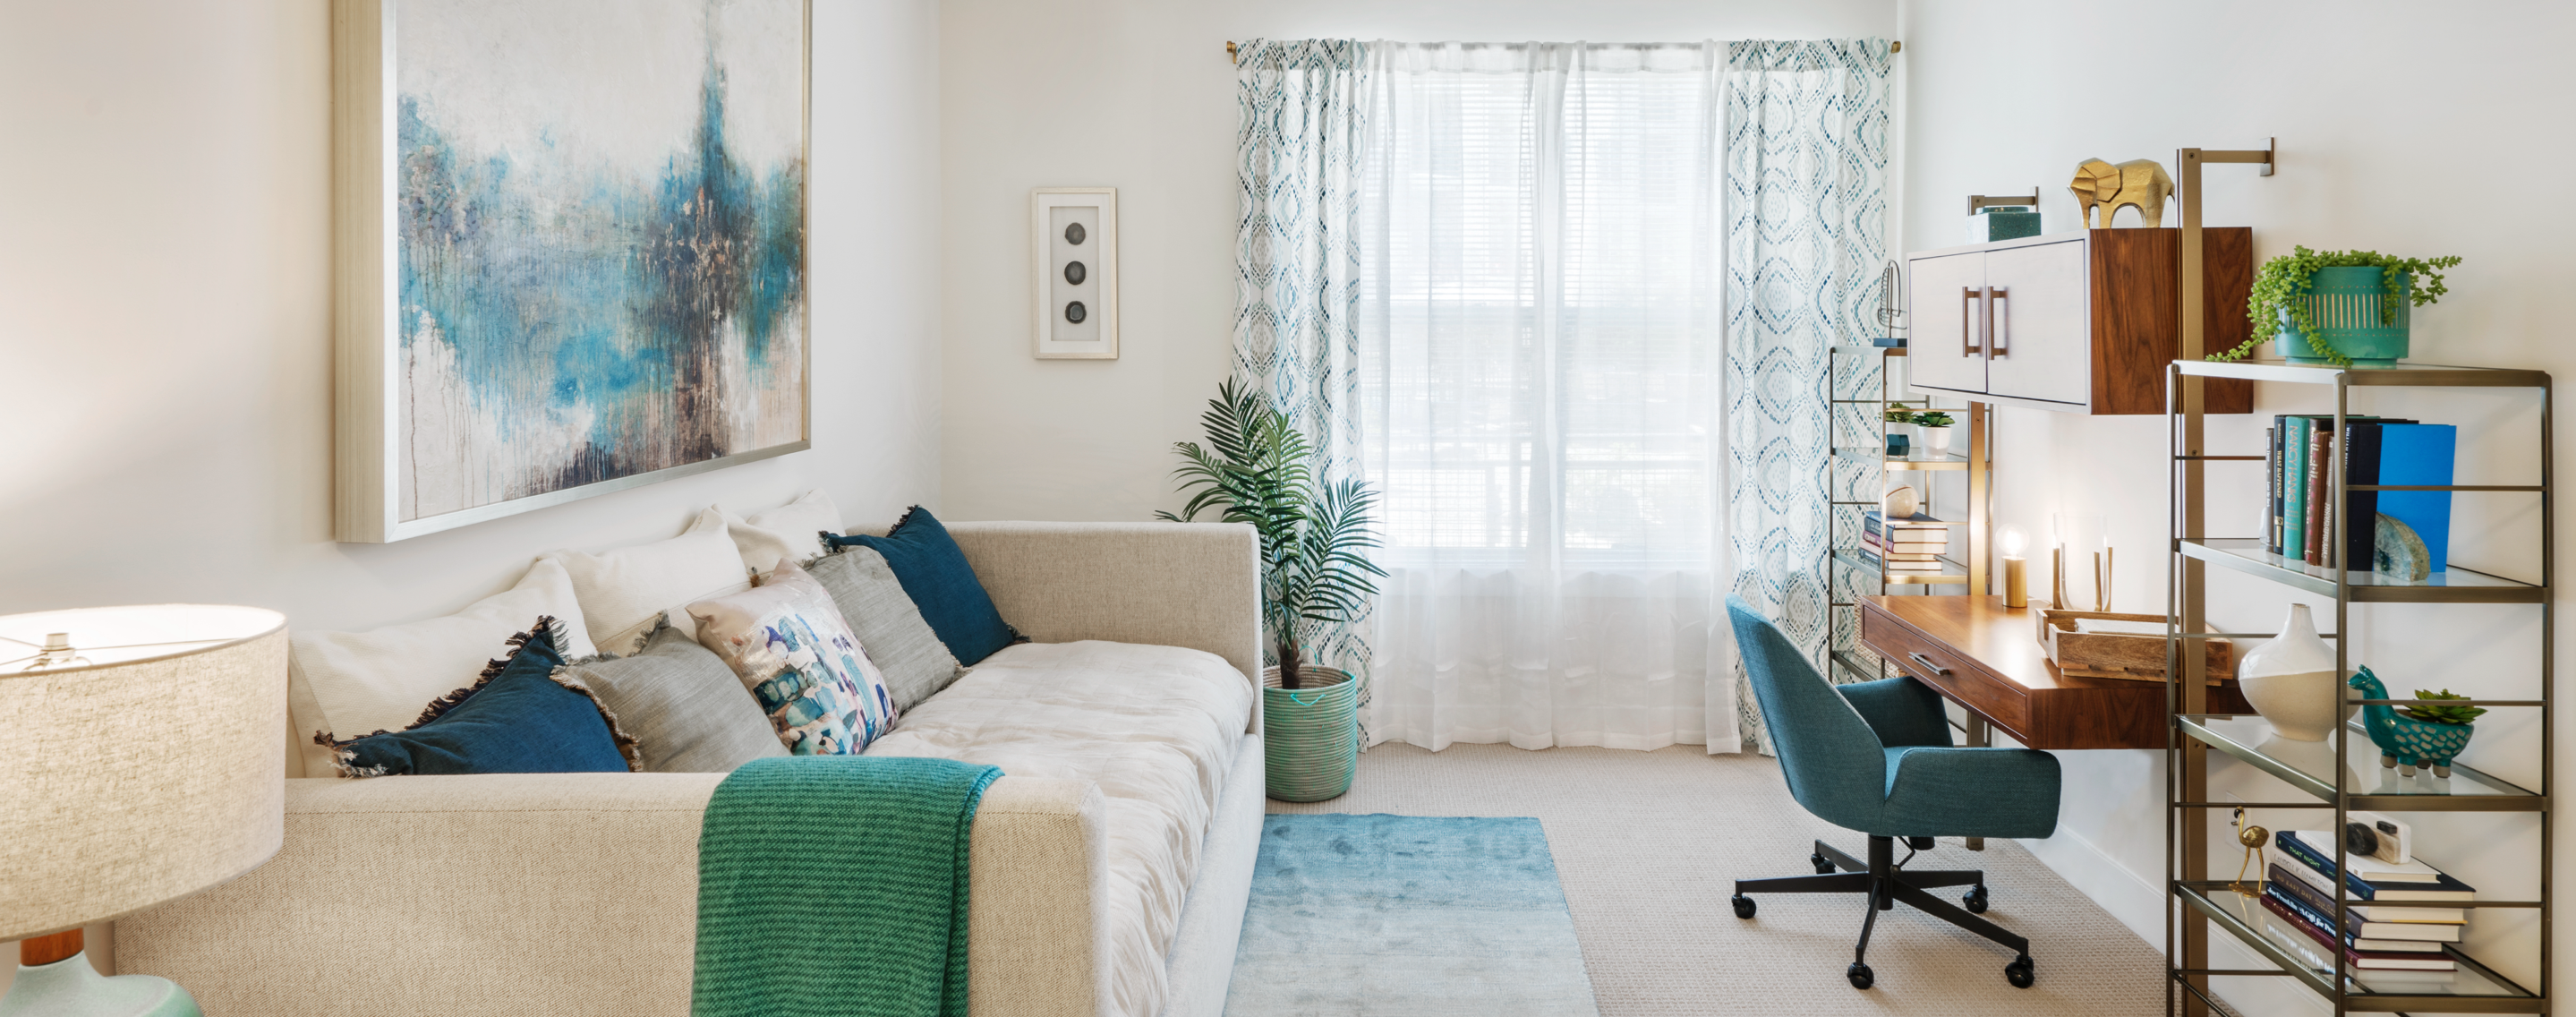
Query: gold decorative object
[2140,183]
[2254,838]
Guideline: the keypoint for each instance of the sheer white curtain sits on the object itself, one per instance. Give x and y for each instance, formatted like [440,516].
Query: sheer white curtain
[1541,332]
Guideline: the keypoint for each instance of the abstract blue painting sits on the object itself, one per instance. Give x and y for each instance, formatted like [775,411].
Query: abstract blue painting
[599,242]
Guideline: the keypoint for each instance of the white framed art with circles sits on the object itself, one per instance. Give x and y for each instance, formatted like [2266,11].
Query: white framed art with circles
[1073,258]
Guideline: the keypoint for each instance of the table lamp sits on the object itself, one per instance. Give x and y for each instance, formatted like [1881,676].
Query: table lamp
[140,761]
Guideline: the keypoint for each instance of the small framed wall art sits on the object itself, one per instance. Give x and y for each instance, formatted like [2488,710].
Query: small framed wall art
[1073,256]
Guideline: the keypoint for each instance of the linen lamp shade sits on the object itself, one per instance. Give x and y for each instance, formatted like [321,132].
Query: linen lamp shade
[143,770]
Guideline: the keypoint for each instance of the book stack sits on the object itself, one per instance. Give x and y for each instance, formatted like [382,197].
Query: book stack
[2397,917]
[2374,451]
[1913,544]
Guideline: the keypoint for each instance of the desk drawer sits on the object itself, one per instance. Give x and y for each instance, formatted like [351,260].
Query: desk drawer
[2004,703]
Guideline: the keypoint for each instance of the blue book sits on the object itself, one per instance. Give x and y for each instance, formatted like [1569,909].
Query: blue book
[2320,860]
[2421,455]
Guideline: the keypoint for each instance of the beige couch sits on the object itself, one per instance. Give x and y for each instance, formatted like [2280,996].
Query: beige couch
[576,894]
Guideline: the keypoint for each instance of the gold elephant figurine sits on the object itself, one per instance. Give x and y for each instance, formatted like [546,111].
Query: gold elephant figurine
[2138,182]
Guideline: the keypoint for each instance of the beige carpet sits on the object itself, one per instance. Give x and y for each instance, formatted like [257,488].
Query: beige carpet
[1647,845]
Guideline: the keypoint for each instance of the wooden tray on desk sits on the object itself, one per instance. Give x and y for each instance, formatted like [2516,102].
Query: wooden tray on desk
[2117,655]
[1981,656]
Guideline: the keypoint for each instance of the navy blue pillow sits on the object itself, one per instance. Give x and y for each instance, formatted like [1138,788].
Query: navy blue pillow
[514,719]
[935,575]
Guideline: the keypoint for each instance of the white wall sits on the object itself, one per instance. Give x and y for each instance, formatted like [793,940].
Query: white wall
[165,357]
[2404,127]
[1139,95]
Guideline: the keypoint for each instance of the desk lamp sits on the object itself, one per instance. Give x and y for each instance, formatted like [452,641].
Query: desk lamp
[139,758]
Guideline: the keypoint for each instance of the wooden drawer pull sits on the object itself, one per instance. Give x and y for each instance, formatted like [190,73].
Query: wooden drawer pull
[1928,664]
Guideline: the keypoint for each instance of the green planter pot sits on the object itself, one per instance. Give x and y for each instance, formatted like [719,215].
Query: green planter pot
[1310,736]
[2346,304]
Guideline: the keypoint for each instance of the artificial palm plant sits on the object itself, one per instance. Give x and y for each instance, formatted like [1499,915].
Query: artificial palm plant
[1259,469]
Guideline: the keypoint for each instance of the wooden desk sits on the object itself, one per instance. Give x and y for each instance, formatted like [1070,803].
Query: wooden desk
[1997,670]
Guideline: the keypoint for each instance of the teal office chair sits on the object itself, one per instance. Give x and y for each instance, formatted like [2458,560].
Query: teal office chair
[1876,757]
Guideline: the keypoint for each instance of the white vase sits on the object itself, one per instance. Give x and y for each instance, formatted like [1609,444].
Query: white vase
[2291,681]
[1936,438]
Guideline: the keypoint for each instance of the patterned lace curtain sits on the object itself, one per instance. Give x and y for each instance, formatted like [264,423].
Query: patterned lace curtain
[1298,147]
[1806,170]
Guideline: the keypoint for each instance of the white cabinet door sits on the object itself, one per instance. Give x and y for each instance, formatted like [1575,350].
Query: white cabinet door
[2042,346]
[1946,350]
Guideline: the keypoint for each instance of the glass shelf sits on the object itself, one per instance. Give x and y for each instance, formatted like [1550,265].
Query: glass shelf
[2417,375]
[1905,463]
[2473,988]
[1952,573]
[2307,766]
[2454,586]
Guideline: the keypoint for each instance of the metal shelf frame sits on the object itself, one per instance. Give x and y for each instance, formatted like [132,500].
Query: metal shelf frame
[1848,575]
[2193,732]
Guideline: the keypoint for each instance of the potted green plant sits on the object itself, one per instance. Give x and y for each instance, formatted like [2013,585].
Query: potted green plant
[1260,470]
[2339,307]
[1934,425]
[1900,432]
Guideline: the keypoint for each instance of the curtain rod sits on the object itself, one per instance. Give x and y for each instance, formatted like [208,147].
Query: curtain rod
[1232,54]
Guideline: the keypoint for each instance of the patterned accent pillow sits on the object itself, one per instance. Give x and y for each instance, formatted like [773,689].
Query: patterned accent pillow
[520,716]
[788,643]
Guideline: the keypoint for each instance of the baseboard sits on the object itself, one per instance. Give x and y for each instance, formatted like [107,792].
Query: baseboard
[2139,904]
[2133,899]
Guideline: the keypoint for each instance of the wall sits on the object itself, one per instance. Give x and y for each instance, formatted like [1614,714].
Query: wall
[165,429]
[2404,127]
[165,317]
[1139,95]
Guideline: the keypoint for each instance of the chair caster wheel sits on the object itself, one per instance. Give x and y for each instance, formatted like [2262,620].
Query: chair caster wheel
[1975,900]
[1860,976]
[1743,905]
[2018,972]
[1824,866]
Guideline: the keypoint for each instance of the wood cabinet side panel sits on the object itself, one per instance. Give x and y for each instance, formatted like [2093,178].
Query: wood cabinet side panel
[2136,315]
[2227,271]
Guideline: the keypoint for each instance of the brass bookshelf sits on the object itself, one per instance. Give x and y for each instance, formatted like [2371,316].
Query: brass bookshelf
[2325,778]
[1857,475]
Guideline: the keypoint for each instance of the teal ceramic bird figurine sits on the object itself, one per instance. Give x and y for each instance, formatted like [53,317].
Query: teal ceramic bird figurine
[2407,742]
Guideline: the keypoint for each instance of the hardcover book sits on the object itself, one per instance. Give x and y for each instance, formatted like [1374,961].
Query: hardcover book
[2373,880]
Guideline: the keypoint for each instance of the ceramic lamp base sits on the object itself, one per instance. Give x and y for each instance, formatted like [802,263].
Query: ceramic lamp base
[72,988]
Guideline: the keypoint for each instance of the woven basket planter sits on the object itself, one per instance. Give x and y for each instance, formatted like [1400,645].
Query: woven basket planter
[2347,304]
[1310,736]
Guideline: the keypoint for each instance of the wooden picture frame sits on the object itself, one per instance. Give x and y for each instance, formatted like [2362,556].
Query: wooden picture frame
[1073,265]
[594,347]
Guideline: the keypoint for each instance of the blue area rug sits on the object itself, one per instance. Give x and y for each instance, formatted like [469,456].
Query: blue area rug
[1407,915]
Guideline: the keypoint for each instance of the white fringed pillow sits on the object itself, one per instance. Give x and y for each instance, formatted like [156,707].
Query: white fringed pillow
[355,683]
[790,533]
[626,592]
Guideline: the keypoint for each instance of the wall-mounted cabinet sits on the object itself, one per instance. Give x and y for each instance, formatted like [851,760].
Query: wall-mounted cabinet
[2080,322]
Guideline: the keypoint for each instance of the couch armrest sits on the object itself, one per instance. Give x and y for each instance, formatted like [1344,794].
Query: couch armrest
[1035,934]
[1196,585]
[569,894]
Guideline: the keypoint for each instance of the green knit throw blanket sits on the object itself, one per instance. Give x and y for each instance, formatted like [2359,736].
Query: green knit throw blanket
[835,886]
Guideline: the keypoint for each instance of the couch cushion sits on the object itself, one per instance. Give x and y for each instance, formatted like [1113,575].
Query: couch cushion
[902,645]
[685,707]
[792,532]
[1155,726]
[935,574]
[625,593]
